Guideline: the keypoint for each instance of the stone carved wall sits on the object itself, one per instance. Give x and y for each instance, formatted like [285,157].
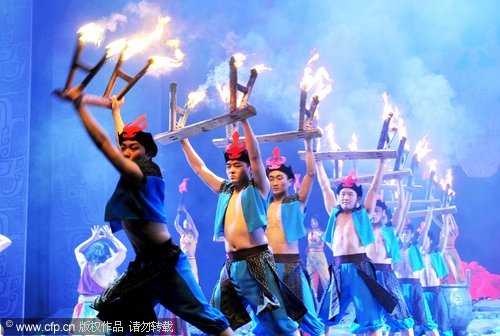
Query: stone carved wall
[15,83]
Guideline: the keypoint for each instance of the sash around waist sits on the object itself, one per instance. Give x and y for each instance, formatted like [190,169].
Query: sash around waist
[246,253]
[287,258]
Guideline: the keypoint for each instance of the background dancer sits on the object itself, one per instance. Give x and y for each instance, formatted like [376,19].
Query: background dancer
[316,264]
[98,264]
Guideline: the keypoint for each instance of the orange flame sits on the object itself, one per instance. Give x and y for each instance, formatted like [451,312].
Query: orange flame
[330,135]
[388,109]
[320,79]
[261,67]
[115,47]
[447,182]
[422,148]
[163,64]
[238,59]
[224,93]
[91,32]
[432,164]
[354,142]
[196,97]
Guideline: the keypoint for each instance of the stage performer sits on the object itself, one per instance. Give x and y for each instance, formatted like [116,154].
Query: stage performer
[189,237]
[408,270]
[249,275]
[353,278]
[98,263]
[435,270]
[160,272]
[316,264]
[382,253]
[285,226]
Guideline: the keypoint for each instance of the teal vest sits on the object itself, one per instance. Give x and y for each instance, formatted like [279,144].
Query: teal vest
[292,218]
[252,204]
[391,243]
[362,224]
[437,262]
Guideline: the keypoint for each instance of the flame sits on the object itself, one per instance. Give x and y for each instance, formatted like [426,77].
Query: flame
[174,44]
[157,34]
[432,164]
[388,109]
[195,97]
[447,182]
[314,57]
[116,47]
[163,64]
[238,59]
[141,43]
[354,142]
[261,67]
[321,79]
[91,32]
[422,148]
[330,136]
[224,93]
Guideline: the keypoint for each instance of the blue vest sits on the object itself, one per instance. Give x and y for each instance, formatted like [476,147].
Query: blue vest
[292,218]
[132,203]
[391,243]
[362,224]
[253,206]
[437,262]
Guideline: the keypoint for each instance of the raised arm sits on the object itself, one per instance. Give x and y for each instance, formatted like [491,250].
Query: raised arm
[127,168]
[324,183]
[4,242]
[371,196]
[445,232]
[177,222]
[193,225]
[213,181]
[116,107]
[425,230]
[258,169]
[118,257]
[80,249]
[397,221]
[308,180]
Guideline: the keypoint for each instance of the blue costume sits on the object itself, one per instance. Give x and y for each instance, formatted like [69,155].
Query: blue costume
[413,293]
[400,318]
[353,279]
[290,268]
[435,298]
[249,276]
[157,269]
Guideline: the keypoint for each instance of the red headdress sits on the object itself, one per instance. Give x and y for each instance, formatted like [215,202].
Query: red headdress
[134,131]
[277,162]
[235,151]
[350,182]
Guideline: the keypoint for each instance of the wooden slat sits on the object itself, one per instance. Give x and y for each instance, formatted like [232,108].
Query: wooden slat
[275,137]
[417,203]
[386,176]
[204,126]
[436,212]
[352,155]
[394,187]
